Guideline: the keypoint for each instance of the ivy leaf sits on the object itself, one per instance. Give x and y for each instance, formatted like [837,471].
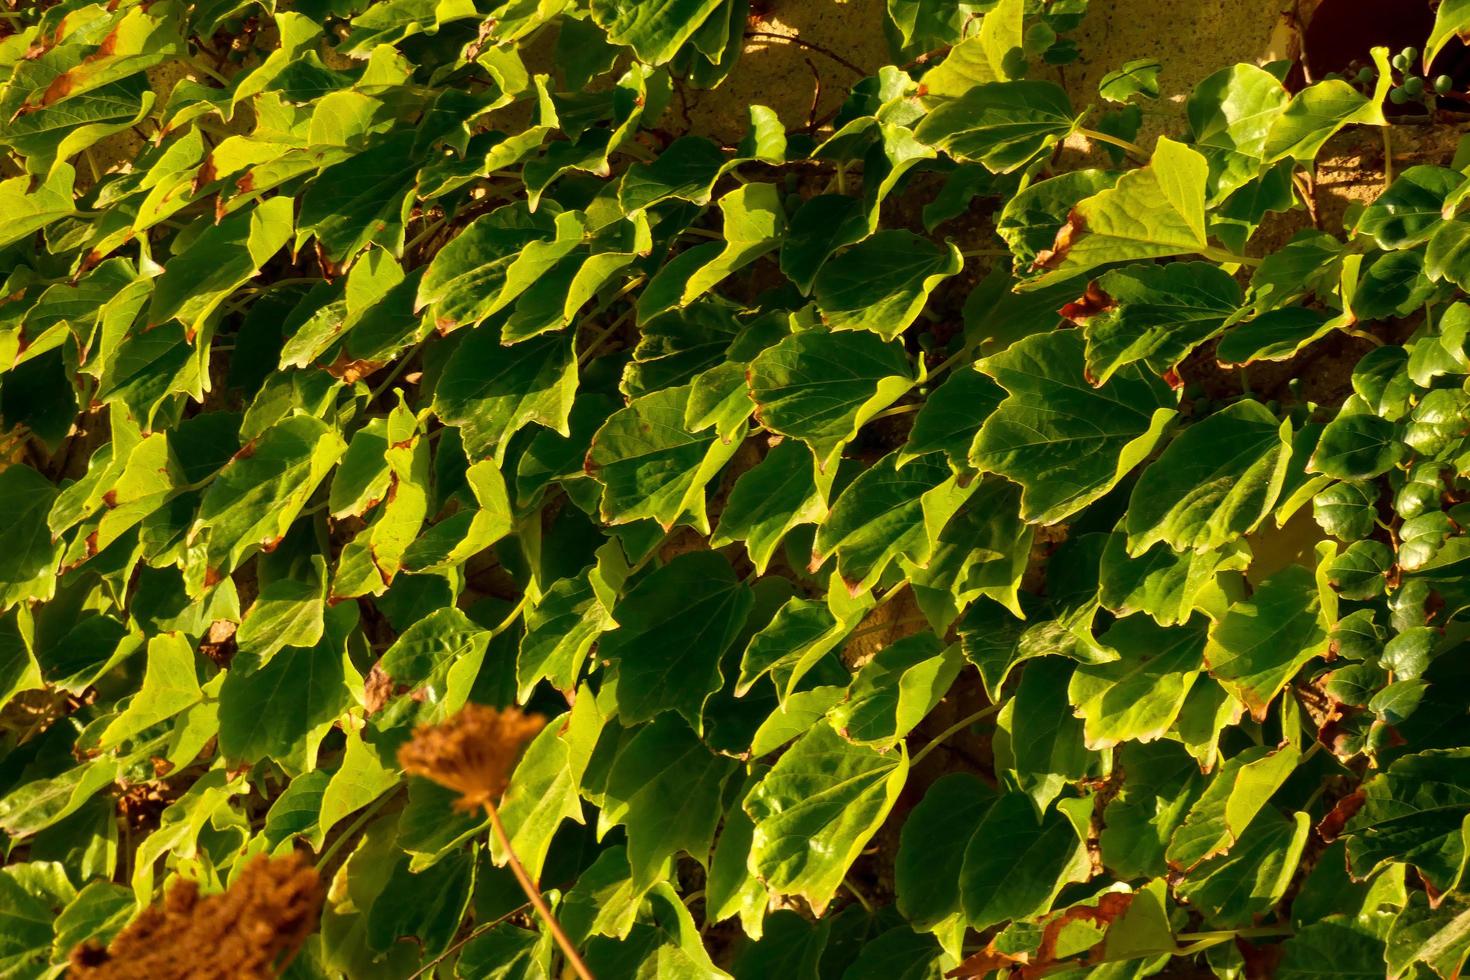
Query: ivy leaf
[674,626]
[1138,696]
[931,850]
[887,513]
[1239,790]
[29,209]
[1437,937]
[1413,813]
[532,381]
[817,809]
[665,786]
[821,387]
[170,685]
[544,787]
[217,262]
[951,417]
[802,632]
[1065,441]
[1216,481]
[882,283]
[257,495]
[1356,445]
[1262,641]
[1232,889]
[1165,584]
[650,465]
[1003,125]
[655,31]
[1017,862]
[1154,313]
[1321,109]
[1450,20]
[769,500]
[895,690]
[1230,115]
[1153,212]
[28,555]
[1408,211]
[282,708]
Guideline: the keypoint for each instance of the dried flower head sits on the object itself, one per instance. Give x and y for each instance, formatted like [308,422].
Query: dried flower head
[248,932]
[472,753]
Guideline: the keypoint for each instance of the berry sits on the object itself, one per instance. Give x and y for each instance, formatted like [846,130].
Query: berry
[1414,85]
[1443,84]
[1366,74]
[1398,96]
[1400,63]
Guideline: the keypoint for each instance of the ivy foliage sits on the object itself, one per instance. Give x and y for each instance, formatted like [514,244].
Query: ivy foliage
[361,359]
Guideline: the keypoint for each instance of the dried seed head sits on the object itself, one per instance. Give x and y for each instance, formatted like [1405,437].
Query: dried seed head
[248,932]
[472,753]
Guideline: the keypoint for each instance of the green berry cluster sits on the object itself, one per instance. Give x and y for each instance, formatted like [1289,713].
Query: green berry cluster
[1408,87]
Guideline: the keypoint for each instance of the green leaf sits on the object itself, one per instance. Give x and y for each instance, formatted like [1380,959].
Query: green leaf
[1232,890]
[1336,946]
[1262,641]
[1137,77]
[1356,445]
[1230,114]
[544,787]
[1065,442]
[1321,109]
[931,850]
[882,283]
[218,261]
[1017,862]
[29,209]
[532,381]
[896,690]
[256,496]
[651,466]
[654,30]
[1154,313]
[1452,19]
[1414,813]
[1138,696]
[283,708]
[665,786]
[1437,937]
[822,388]
[817,809]
[28,555]
[1217,480]
[1408,210]
[1152,212]
[170,685]
[1237,793]
[769,500]
[674,627]
[887,513]
[1003,125]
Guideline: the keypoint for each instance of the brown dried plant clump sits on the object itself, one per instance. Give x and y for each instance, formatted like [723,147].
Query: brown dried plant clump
[250,931]
[472,752]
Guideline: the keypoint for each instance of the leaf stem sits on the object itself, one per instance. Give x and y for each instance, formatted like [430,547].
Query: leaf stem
[980,253]
[1387,157]
[475,933]
[957,727]
[352,829]
[1132,149]
[1226,257]
[533,893]
[889,413]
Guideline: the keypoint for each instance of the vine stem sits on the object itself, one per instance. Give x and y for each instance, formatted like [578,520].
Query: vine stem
[1224,256]
[958,726]
[533,893]
[1125,145]
[475,933]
